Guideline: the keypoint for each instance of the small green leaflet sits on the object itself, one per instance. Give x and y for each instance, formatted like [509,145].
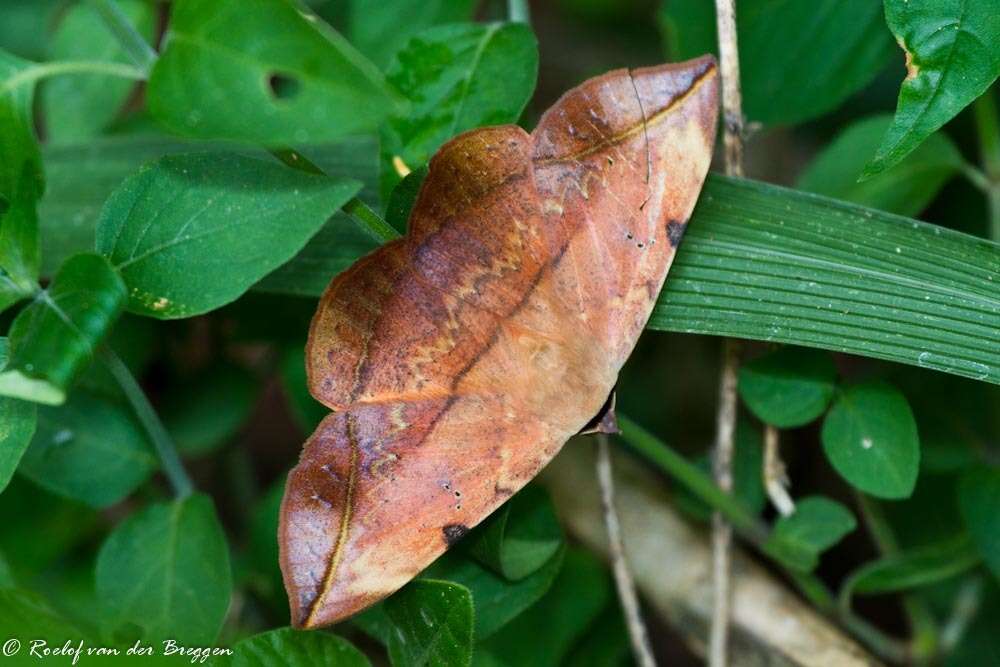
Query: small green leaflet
[788,387]
[293,648]
[870,438]
[520,537]
[816,525]
[432,624]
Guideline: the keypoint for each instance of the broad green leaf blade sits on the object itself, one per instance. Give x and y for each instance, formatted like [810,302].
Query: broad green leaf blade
[816,525]
[870,438]
[89,449]
[520,537]
[17,426]
[190,233]
[788,387]
[165,570]
[380,29]
[54,338]
[457,77]
[906,188]
[767,263]
[913,568]
[952,52]
[432,624]
[293,648]
[260,71]
[203,412]
[82,176]
[81,106]
[798,60]
[21,183]
[979,502]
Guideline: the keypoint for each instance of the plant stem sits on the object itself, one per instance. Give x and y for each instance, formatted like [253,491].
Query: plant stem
[517,11]
[162,442]
[44,70]
[921,621]
[732,115]
[697,482]
[988,129]
[371,222]
[624,583]
[141,53]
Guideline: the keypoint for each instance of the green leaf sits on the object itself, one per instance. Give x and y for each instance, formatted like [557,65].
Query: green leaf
[397,211]
[17,426]
[190,233]
[953,55]
[870,438]
[79,107]
[788,387]
[26,616]
[457,77]
[89,449]
[380,29]
[913,568]
[979,502]
[206,411]
[293,648]
[545,633]
[165,571]
[520,537]
[54,338]
[307,411]
[21,184]
[816,525]
[82,176]
[798,60]
[906,188]
[496,600]
[260,71]
[432,624]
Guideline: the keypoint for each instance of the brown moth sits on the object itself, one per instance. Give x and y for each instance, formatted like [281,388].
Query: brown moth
[458,360]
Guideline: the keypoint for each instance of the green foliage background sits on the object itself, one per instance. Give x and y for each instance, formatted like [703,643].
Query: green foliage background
[180,180]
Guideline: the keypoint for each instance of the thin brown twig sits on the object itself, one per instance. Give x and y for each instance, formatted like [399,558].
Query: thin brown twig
[732,115]
[623,577]
[775,475]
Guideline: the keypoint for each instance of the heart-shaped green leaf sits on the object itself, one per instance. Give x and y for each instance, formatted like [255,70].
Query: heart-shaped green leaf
[788,387]
[870,438]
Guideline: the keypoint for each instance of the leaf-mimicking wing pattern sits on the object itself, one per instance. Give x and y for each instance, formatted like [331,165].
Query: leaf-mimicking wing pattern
[458,360]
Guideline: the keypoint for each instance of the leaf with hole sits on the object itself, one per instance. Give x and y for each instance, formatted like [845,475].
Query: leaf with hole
[293,648]
[261,71]
[817,524]
[870,438]
[979,502]
[89,449]
[788,387]
[164,573]
[54,338]
[457,77]
[952,50]
[190,233]
[476,338]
